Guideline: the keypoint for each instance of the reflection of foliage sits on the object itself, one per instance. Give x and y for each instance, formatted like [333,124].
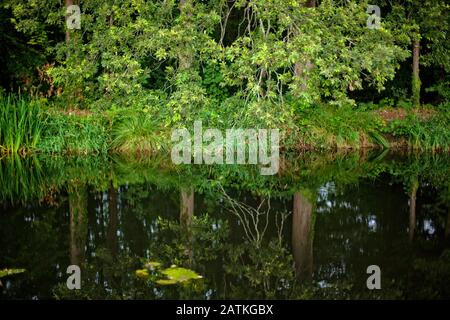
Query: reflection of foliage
[21,179]
[9,272]
[264,272]
[34,177]
[105,277]
[234,265]
[205,238]
[434,272]
[260,267]
[255,221]
[38,178]
[433,169]
[250,218]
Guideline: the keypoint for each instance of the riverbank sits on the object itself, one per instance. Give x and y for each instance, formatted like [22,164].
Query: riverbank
[29,126]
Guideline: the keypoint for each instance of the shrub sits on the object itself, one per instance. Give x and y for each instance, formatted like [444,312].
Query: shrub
[138,132]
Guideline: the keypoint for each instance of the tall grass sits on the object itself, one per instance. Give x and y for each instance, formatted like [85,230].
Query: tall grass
[327,127]
[138,133]
[20,125]
[74,134]
[430,134]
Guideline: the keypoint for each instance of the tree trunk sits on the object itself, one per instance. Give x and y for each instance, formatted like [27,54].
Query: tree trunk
[185,57]
[412,210]
[302,68]
[302,237]
[68,4]
[415,74]
[78,223]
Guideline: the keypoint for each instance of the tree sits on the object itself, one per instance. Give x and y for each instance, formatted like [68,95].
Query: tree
[78,222]
[426,24]
[302,69]
[113,225]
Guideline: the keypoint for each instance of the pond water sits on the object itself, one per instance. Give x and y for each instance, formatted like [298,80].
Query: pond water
[309,232]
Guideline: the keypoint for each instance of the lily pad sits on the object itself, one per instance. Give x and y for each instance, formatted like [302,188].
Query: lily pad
[177,275]
[152,265]
[8,272]
[166,281]
[142,273]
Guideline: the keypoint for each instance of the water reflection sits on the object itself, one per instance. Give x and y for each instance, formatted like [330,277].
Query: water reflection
[302,236]
[311,232]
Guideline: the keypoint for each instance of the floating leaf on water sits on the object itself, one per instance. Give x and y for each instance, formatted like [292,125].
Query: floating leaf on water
[166,281]
[142,273]
[8,272]
[152,265]
[178,275]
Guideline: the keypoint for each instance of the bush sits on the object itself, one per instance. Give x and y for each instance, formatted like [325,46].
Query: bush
[138,132]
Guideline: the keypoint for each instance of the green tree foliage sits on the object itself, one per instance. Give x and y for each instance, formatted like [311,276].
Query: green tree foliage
[234,62]
[426,25]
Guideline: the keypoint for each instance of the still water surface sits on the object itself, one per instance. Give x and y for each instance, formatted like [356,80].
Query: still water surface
[309,232]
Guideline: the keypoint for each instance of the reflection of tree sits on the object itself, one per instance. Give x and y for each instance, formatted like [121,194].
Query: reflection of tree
[186,215]
[260,266]
[113,225]
[302,236]
[356,225]
[254,220]
[445,196]
[186,206]
[78,222]
[447,228]
[412,208]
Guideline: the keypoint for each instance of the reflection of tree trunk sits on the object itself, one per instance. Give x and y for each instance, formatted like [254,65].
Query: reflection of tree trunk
[111,235]
[412,209]
[302,236]
[186,206]
[78,222]
[186,214]
[447,228]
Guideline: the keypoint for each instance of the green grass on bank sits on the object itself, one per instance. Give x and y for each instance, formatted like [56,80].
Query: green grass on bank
[423,134]
[340,128]
[68,133]
[32,126]
[137,132]
[20,125]
[425,128]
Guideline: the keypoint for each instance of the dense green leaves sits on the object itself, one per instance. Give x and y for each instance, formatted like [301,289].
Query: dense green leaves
[255,50]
